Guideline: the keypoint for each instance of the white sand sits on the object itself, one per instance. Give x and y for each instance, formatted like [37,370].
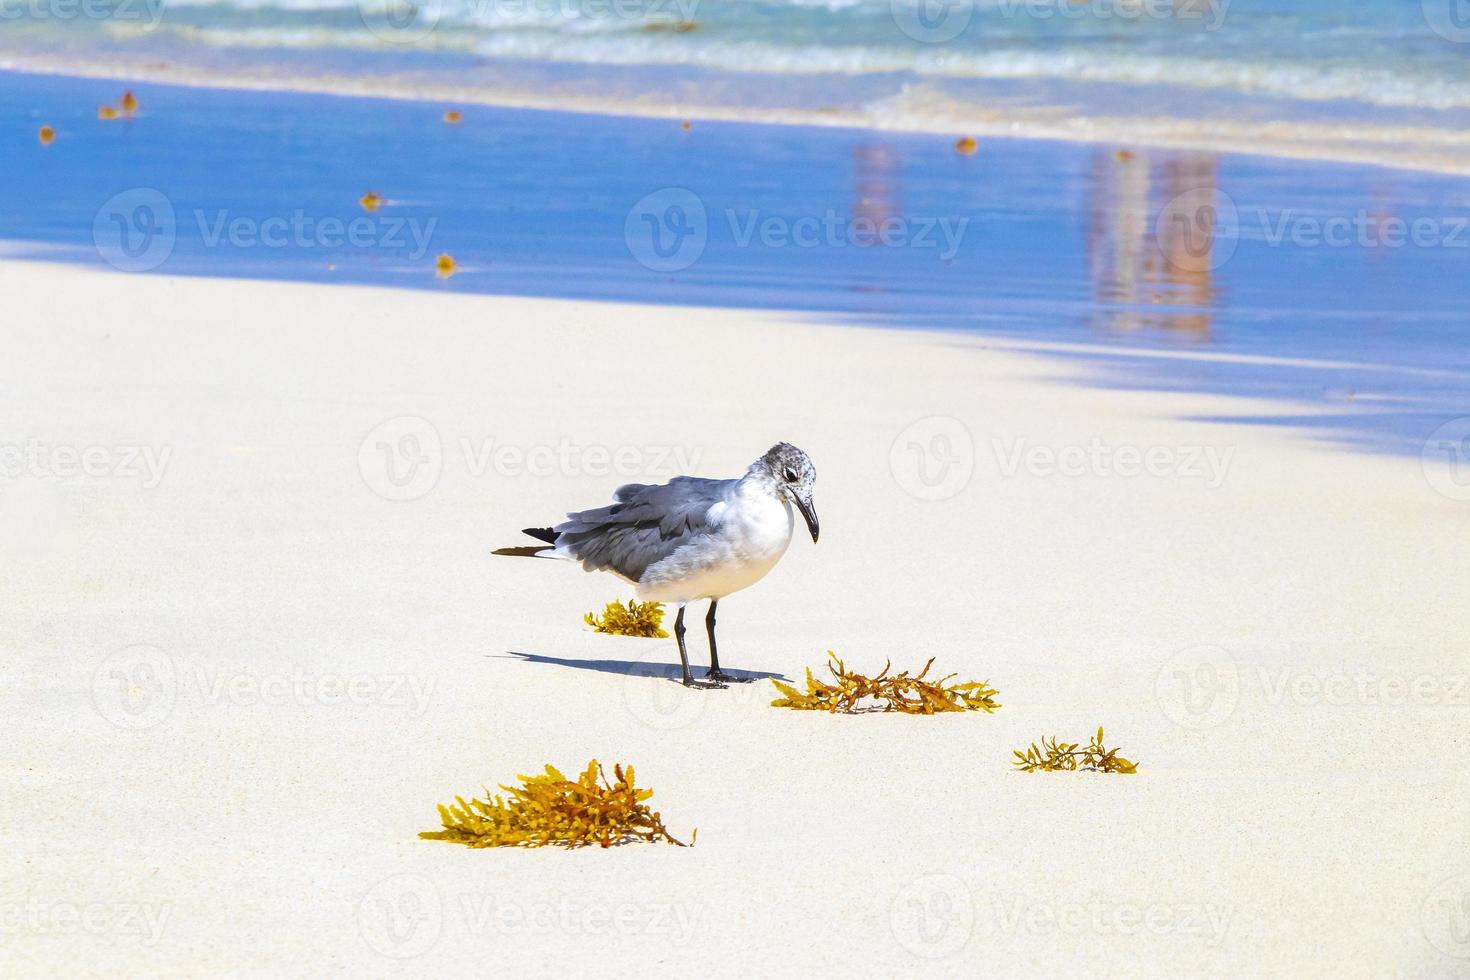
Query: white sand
[251,827]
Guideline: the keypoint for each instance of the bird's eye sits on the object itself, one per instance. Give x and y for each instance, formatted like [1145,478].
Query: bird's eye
[790,477]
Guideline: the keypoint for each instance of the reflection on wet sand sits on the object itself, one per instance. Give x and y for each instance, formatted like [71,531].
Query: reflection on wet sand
[875,167]
[1151,248]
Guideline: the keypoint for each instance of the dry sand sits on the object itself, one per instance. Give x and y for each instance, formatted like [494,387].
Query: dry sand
[236,684]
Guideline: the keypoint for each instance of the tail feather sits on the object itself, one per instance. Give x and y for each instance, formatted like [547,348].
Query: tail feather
[529,551]
[532,551]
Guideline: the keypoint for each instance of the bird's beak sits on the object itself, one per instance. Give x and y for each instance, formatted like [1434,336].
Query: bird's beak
[809,512]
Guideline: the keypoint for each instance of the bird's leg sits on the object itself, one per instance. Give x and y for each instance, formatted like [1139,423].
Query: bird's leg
[715,674]
[683,654]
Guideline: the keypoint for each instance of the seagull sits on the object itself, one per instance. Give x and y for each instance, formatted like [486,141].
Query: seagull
[691,538]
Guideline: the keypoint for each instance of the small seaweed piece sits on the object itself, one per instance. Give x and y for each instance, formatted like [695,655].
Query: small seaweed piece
[1056,756]
[551,809]
[634,619]
[854,693]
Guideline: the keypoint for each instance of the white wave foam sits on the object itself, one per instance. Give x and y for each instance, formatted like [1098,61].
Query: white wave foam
[554,32]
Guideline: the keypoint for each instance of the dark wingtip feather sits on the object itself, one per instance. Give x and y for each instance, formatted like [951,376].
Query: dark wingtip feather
[541,534]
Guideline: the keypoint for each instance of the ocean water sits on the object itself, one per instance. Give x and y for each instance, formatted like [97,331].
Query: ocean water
[1339,290]
[1385,81]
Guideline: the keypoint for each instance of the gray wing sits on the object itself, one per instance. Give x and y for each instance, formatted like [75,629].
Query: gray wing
[647,524]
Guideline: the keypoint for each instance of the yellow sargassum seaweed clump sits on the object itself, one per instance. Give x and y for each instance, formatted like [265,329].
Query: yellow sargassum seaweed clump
[552,809]
[634,619]
[1054,756]
[853,693]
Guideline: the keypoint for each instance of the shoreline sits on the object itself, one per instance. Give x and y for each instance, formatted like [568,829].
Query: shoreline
[1139,132]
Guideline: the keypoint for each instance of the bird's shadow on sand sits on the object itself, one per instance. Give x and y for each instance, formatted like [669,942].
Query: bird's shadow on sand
[640,668]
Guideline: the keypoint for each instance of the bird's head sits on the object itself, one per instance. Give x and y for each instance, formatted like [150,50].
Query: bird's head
[793,476]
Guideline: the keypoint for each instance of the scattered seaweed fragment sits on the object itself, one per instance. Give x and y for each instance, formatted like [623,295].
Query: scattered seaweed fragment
[371,201]
[551,809]
[107,112]
[1055,756]
[453,116]
[46,135]
[128,103]
[444,266]
[853,693]
[634,619]
[965,145]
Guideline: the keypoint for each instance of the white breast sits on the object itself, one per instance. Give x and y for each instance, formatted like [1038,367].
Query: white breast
[751,533]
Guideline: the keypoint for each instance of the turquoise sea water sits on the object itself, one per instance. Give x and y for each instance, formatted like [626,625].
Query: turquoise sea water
[1340,290]
[1390,77]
